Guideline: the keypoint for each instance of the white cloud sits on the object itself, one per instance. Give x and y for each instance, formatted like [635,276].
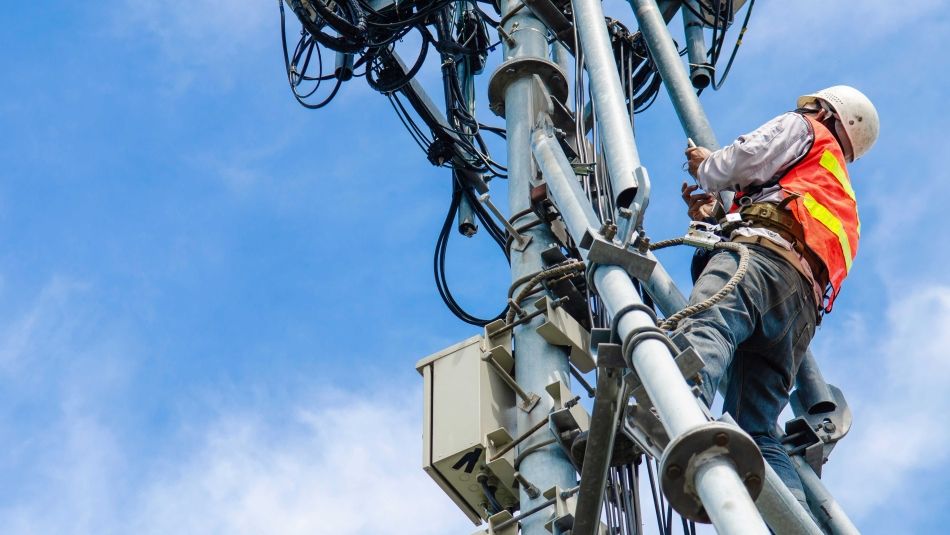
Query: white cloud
[339,463]
[201,41]
[350,466]
[899,398]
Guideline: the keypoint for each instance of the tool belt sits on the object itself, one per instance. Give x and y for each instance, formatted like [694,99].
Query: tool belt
[776,218]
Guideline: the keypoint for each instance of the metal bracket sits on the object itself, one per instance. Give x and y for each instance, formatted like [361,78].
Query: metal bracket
[504,517]
[494,356]
[566,423]
[601,251]
[688,361]
[561,329]
[565,505]
[814,435]
[687,452]
[605,352]
[643,427]
[583,168]
[502,466]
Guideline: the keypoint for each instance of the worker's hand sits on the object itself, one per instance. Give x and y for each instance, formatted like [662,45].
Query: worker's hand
[699,205]
[696,156]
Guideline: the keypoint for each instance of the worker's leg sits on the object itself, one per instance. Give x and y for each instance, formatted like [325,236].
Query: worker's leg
[715,333]
[771,317]
[763,371]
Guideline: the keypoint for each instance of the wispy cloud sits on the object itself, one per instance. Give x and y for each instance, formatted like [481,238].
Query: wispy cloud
[349,466]
[895,380]
[333,462]
[200,41]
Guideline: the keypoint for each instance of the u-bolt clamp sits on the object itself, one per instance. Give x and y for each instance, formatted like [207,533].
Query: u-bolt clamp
[689,451]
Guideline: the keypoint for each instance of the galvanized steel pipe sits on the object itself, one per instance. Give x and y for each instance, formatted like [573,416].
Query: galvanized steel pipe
[609,106]
[730,512]
[538,363]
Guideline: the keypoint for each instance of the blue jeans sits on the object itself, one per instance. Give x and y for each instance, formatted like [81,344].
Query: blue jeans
[757,337]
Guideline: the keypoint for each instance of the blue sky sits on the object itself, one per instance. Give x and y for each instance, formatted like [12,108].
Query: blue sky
[211,299]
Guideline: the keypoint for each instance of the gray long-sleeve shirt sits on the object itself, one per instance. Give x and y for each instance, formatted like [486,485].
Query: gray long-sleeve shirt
[753,160]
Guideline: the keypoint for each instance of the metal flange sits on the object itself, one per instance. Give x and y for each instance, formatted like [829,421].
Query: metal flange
[688,451]
[554,80]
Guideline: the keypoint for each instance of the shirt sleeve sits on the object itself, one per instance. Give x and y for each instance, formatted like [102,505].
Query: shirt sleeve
[755,158]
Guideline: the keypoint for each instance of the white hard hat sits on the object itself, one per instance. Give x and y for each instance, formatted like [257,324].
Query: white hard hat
[855,113]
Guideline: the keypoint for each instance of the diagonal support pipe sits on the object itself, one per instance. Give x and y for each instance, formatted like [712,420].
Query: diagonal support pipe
[667,60]
[623,160]
[730,504]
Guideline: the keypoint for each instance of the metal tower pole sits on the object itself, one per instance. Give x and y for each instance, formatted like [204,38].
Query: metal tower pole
[537,363]
[716,481]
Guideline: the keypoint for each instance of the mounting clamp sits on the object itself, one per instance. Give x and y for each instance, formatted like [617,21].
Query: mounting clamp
[604,252]
[552,80]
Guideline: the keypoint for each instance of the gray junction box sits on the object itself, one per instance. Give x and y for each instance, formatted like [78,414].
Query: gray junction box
[468,411]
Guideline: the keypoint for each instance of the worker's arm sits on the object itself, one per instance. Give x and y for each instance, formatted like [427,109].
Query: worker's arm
[754,158]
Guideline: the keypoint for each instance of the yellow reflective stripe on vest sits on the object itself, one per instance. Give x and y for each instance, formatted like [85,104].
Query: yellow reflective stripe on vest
[822,214]
[830,163]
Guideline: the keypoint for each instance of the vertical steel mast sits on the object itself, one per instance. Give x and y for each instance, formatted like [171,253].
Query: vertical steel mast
[537,362]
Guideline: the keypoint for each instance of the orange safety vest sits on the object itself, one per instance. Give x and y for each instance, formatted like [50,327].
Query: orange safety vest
[825,205]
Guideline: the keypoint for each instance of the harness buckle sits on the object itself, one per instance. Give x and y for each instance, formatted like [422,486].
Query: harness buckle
[702,234]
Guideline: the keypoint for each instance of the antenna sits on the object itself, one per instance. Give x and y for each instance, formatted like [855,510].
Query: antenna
[505,434]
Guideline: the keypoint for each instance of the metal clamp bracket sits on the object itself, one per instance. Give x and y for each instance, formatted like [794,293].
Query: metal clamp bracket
[601,251]
[500,524]
[561,329]
[814,434]
[641,425]
[689,363]
[568,420]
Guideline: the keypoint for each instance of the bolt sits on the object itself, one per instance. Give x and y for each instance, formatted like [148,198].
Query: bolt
[829,427]
[673,471]
[753,481]
[721,439]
